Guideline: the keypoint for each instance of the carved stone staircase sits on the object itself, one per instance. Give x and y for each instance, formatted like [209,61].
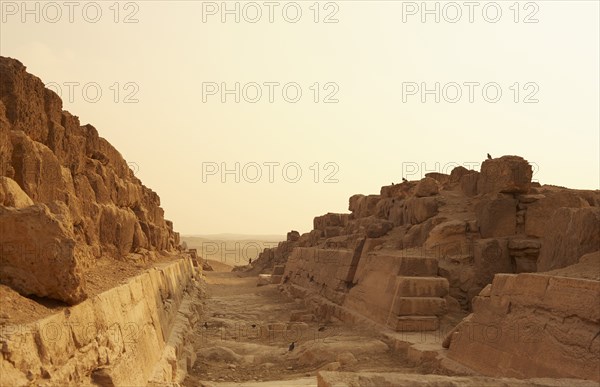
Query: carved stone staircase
[419,300]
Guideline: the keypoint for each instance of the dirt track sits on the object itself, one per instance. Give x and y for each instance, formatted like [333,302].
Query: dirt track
[248,332]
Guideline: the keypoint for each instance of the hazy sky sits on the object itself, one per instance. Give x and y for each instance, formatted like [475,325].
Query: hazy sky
[160,68]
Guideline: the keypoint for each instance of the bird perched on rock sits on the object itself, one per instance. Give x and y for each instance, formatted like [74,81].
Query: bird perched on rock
[292,346]
[321,329]
[489,157]
[205,325]
[404,180]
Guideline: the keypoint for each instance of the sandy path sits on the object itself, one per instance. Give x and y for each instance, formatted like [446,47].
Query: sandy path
[248,332]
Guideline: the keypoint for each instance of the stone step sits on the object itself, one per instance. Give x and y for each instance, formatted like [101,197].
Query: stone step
[415,266]
[414,323]
[422,286]
[419,306]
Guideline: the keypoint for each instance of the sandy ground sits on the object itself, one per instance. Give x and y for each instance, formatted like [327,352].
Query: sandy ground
[248,332]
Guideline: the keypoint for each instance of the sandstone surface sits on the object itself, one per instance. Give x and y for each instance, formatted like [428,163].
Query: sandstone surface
[422,255]
[68,198]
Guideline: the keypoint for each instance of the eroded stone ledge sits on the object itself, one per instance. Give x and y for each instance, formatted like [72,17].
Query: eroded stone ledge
[119,338]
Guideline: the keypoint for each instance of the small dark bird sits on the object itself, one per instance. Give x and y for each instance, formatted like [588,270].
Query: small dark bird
[292,346]
[392,183]
[404,180]
[321,329]
[489,157]
[253,325]
[205,325]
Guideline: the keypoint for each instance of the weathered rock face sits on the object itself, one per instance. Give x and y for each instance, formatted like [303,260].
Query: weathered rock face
[337,270]
[11,195]
[293,236]
[468,183]
[379,228]
[491,257]
[362,206]
[447,238]
[42,257]
[497,215]
[457,173]
[415,255]
[427,187]
[570,233]
[127,336]
[532,325]
[476,223]
[85,193]
[330,224]
[541,207]
[418,210]
[507,174]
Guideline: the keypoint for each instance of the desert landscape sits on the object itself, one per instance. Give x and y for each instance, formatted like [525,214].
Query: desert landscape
[230,250]
[467,278]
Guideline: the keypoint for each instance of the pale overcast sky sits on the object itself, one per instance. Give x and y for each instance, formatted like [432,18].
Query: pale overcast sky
[151,77]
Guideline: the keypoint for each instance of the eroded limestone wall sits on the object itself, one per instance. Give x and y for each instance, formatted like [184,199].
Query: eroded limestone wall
[114,339]
[82,188]
[431,246]
[532,325]
[329,272]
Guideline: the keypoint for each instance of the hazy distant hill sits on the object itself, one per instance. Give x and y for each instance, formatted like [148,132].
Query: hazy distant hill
[239,237]
[231,249]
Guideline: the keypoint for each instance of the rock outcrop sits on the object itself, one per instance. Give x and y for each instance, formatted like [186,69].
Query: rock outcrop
[569,233]
[534,325]
[273,256]
[68,198]
[11,195]
[42,256]
[507,174]
[423,254]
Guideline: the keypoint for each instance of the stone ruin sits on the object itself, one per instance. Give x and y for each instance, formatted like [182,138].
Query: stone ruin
[71,206]
[520,260]
[67,196]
